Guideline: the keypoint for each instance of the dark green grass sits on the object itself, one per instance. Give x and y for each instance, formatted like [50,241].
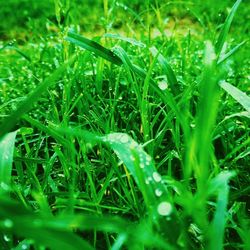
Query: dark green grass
[128,140]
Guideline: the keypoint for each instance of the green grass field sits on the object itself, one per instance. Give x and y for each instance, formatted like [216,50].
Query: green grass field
[124,125]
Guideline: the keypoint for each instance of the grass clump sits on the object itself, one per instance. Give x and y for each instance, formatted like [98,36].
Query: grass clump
[129,136]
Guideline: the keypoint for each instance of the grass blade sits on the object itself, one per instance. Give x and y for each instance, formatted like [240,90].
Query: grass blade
[173,83]
[219,185]
[93,47]
[7,144]
[242,98]
[230,53]
[225,28]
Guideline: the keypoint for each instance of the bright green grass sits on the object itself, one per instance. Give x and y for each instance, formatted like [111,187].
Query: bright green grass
[114,137]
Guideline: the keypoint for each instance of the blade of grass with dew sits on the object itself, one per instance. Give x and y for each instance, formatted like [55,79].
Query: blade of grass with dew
[225,28]
[7,145]
[224,57]
[32,98]
[219,185]
[93,47]
[158,201]
[242,98]
[172,80]
[11,46]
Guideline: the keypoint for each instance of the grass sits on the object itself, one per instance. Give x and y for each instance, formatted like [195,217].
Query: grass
[126,127]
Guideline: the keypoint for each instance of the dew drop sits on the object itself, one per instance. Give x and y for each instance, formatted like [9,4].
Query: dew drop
[124,139]
[6,238]
[132,158]
[148,158]
[142,165]
[163,85]
[164,208]
[158,192]
[156,177]
[24,246]
[4,186]
[8,223]
[148,180]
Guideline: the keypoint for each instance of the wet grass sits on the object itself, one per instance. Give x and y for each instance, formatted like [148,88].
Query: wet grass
[126,127]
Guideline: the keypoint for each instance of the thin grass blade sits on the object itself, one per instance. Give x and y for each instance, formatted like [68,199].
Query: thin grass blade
[172,80]
[7,144]
[225,28]
[94,47]
[242,98]
[223,58]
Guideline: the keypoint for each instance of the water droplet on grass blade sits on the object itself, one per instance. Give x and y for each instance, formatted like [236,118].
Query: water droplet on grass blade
[124,138]
[158,192]
[164,208]
[156,177]
[142,165]
[8,223]
[162,85]
[24,246]
[6,237]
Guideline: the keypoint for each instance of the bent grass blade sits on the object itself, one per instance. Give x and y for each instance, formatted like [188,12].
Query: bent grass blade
[242,98]
[7,144]
[225,29]
[172,80]
[94,47]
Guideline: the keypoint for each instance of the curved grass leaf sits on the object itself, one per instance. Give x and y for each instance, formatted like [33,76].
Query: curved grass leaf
[7,144]
[93,47]
[242,98]
[142,168]
[225,28]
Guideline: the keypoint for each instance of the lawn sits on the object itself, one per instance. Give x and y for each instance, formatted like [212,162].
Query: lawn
[124,125]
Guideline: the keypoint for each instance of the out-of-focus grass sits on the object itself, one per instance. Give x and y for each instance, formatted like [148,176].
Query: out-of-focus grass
[133,137]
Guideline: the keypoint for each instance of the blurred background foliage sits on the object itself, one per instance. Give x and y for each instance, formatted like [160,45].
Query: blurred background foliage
[18,15]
